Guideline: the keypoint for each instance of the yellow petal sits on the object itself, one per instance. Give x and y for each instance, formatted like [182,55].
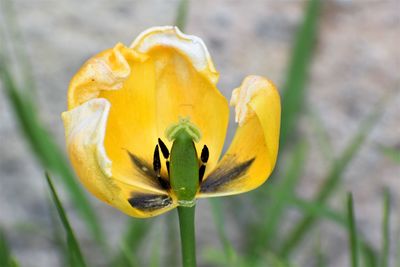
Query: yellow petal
[85,128]
[126,79]
[251,157]
[185,80]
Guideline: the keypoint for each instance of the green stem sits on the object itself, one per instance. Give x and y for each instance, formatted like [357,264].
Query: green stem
[188,239]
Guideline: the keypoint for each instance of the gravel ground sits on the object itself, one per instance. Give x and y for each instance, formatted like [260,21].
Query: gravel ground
[356,66]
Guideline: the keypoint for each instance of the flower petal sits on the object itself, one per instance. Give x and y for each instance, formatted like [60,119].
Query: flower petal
[126,79]
[251,157]
[189,45]
[85,128]
[185,85]
[106,71]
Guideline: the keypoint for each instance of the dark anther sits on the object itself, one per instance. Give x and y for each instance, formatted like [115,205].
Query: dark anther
[204,154]
[164,184]
[202,169]
[164,149]
[156,161]
[149,202]
[157,168]
[167,163]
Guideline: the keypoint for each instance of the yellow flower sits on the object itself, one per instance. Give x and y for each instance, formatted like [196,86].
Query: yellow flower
[123,100]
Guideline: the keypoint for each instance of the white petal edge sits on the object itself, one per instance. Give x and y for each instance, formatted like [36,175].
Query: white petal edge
[99,68]
[85,129]
[98,74]
[88,123]
[242,95]
[191,46]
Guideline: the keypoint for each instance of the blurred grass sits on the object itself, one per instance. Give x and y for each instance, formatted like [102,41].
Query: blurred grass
[397,251]
[9,25]
[181,15]
[384,262]
[318,210]
[369,256]
[42,143]
[155,249]
[324,143]
[294,88]
[331,181]
[6,259]
[229,251]
[391,153]
[132,239]
[279,194]
[172,239]
[294,91]
[321,260]
[352,232]
[74,252]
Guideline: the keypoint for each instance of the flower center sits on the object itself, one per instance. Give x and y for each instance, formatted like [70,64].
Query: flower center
[185,169]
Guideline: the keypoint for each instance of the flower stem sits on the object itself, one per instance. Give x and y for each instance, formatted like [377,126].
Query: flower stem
[188,240]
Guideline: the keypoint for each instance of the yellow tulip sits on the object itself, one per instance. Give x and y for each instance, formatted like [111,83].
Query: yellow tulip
[123,101]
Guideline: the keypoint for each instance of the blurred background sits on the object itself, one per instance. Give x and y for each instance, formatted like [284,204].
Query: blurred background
[336,63]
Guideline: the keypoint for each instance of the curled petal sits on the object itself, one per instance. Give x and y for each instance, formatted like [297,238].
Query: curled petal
[251,157]
[85,128]
[188,45]
[105,71]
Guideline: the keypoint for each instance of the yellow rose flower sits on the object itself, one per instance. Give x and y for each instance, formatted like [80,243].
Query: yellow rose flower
[122,103]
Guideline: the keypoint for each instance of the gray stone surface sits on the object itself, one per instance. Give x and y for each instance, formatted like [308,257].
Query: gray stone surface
[356,65]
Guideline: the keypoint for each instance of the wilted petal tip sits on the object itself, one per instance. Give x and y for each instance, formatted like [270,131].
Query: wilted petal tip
[189,45]
[85,125]
[242,95]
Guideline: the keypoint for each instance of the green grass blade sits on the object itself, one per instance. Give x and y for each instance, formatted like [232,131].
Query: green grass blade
[272,260]
[280,193]
[73,246]
[398,249]
[370,258]
[181,16]
[230,254]
[46,150]
[353,240]
[331,181]
[125,259]
[384,262]
[58,235]
[6,259]
[7,10]
[294,88]
[321,260]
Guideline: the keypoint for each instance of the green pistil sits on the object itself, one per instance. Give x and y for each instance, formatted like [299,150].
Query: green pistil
[184,162]
[183,124]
